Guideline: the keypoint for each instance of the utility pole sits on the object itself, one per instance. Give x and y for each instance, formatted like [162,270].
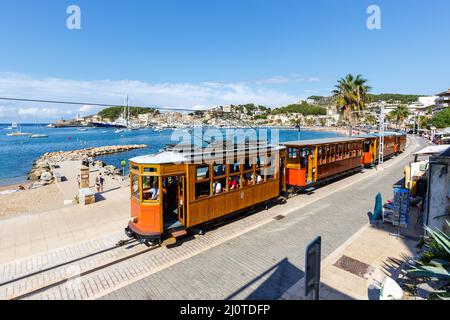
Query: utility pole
[381,133]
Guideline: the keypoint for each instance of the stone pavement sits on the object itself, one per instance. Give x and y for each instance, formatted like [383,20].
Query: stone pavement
[265,262]
[375,247]
[30,234]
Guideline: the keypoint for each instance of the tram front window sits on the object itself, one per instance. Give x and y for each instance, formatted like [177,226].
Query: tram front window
[366,146]
[135,186]
[150,188]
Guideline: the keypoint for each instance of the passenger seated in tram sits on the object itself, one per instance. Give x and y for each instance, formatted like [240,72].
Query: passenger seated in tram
[247,180]
[257,179]
[232,184]
[217,187]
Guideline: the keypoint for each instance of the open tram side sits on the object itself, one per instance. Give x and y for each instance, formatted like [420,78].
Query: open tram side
[172,192]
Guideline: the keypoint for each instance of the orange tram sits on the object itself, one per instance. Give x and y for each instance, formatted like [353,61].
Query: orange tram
[175,191]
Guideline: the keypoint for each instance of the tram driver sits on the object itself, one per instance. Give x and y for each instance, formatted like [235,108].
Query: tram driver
[154,192]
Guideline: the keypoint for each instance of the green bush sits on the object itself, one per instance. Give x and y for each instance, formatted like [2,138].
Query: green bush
[442,119]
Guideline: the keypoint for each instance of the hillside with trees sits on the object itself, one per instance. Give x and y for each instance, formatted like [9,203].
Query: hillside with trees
[114,112]
[391,97]
[302,108]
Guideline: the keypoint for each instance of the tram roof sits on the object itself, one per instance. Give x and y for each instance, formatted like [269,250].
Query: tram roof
[376,135]
[169,157]
[300,143]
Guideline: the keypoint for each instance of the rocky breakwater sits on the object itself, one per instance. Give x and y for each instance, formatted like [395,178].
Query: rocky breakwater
[42,171]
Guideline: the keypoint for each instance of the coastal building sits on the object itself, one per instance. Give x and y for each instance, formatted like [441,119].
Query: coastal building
[145,119]
[227,109]
[428,101]
[438,202]
[442,101]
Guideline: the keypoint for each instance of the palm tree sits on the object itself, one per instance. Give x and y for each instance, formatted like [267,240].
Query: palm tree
[351,96]
[400,114]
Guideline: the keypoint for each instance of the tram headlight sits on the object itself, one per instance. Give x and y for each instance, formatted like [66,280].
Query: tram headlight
[134,219]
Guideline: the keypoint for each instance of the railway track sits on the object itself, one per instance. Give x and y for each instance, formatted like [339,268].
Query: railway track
[32,284]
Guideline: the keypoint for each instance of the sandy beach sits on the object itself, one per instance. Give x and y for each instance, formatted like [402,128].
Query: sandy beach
[30,201]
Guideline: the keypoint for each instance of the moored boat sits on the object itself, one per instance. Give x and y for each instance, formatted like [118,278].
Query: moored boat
[18,134]
[38,136]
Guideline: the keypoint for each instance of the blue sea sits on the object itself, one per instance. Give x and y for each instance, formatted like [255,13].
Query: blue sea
[18,153]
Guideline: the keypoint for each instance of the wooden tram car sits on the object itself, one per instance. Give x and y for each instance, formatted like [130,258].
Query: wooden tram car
[311,162]
[394,143]
[175,190]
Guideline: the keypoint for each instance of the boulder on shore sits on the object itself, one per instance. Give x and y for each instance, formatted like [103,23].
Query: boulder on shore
[42,165]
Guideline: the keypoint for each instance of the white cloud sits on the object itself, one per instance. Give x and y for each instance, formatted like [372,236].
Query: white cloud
[288,79]
[167,95]
[88,109]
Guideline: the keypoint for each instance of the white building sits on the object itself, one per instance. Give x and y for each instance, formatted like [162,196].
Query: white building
[428,101]
[145,118]
[227,109]
[442,101]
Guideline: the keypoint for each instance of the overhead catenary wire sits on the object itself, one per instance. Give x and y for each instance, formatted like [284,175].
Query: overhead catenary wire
[92,104]
[128,106]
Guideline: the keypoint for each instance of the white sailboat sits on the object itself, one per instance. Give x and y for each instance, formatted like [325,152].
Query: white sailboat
[124,119]
[17,133]
[38,135]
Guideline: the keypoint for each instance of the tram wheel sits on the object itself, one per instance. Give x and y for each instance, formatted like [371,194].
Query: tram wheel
[129,233]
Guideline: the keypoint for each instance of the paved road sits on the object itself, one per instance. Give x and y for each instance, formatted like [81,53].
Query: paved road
[265,262]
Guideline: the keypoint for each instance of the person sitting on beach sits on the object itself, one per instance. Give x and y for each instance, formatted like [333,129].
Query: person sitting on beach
[79,181]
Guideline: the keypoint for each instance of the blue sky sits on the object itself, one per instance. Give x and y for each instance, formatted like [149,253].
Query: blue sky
[201,53]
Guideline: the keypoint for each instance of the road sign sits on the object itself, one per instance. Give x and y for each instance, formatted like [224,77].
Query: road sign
[312,268]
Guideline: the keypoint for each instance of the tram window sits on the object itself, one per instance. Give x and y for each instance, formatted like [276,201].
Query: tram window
[220,170]
[202,173]
[135,186]
[271,172]
[366,146]
[235,167]
[293,153]
[135,168]
[248,165]
[260,162]
[150,170]
[270,161]
[150,188]
[202,190]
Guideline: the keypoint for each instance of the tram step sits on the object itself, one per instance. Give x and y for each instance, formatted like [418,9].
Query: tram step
[179,234]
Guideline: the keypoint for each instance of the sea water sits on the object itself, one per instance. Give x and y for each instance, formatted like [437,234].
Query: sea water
[18,153]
